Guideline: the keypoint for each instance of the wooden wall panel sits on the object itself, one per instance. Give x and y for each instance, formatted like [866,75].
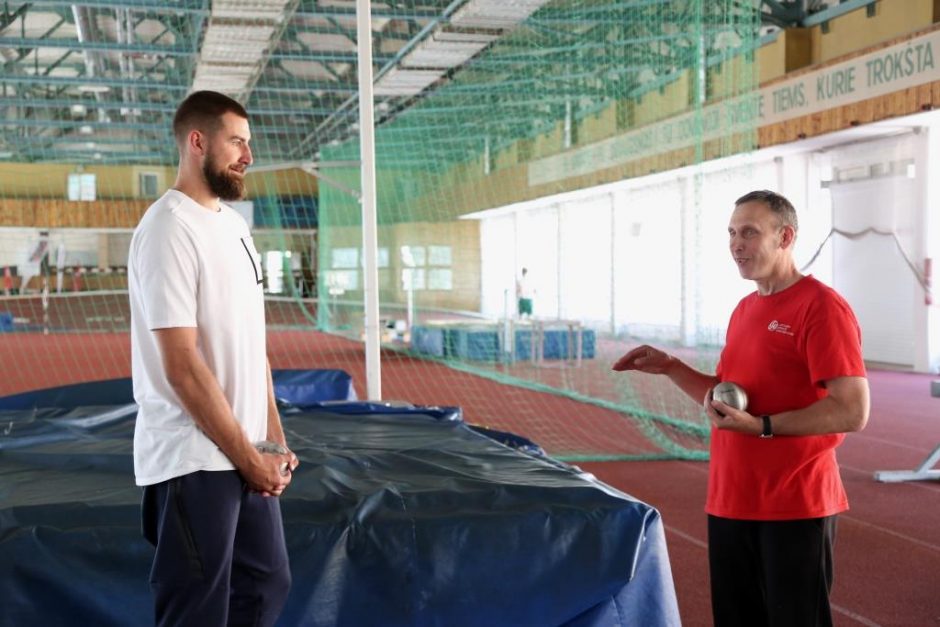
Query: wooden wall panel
[897,104]
[54,213]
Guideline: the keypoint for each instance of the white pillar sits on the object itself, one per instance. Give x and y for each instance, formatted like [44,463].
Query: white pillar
[927,353]
[369,223]
[613,196]
[690,245]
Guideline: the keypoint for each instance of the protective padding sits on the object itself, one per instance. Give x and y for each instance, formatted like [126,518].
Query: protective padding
[396,516]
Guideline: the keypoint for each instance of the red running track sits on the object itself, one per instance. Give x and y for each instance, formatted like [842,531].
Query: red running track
[888,547]
[887,558]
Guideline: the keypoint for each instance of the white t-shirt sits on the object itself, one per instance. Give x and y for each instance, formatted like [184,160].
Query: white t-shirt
[190,266]
[524,288]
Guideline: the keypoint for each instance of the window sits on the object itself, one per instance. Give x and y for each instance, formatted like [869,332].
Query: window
[382,261]
[149,184]
[345,258]
[426,268]
[345,264]
[340,281]
[82,187]
[439,256]
[440,279]
[278,266]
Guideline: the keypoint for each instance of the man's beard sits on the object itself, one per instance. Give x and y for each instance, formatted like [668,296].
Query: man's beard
[221,183]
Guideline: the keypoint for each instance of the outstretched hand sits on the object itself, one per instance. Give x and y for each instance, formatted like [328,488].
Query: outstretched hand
[646,359]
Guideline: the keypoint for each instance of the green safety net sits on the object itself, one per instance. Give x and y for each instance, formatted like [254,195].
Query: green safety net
[593,80]
[502,132]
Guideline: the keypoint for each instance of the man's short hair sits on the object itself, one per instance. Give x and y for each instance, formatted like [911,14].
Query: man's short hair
[776,203]
[203,110]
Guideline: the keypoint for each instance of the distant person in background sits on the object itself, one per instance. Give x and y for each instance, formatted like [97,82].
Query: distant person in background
[308,274]
[524,294]
[77,279]
[774,488]
[203,385]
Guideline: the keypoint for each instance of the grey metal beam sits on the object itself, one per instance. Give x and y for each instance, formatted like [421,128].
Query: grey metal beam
[40,103]
[474,104]
[67,81]
[49,68]
[512,85]
[353,100]
[416,15]
[34,123]
[519,127]
[347,33]
[201,7]
[307,29]
[603,9]
[551,52]
[832,12]
[257,129]
[7,18]
[302,87]
[159,107]
[98,46]
[783,14]
[120,159]
[52,140]
[145,6]
[305,87]
[331,56]
[23,52]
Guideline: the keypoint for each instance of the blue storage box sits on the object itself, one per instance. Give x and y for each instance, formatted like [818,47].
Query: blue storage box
[428,340]
[557,343]
[474,343]
[560,344]
[480,343]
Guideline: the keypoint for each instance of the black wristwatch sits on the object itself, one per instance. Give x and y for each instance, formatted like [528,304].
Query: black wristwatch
[768,430]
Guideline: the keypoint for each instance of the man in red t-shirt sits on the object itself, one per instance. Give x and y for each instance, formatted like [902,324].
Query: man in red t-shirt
[774,488]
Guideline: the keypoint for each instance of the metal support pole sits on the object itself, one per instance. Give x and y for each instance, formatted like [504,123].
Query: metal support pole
[369,223]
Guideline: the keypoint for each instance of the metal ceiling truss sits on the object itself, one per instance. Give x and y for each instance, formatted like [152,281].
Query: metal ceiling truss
[77,79]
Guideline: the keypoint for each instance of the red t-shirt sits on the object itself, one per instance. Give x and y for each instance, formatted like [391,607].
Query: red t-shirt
[781,348]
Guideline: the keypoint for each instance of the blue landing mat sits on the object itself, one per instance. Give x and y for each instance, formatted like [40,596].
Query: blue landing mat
[396,516]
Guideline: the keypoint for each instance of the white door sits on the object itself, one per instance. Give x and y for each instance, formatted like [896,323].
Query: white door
[872,189]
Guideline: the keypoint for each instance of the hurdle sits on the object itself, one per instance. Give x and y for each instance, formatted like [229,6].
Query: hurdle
[926,470]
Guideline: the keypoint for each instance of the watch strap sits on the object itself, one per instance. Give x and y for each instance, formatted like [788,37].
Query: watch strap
[768,430]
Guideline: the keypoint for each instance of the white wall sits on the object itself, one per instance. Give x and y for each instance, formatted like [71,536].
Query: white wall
[622,257]
[872,189]
[649,257]
[720,281]
[585,261]
[647,261]
[497,265]
[537,247]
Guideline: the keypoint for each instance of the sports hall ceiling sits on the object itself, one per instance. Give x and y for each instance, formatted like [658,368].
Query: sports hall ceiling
[98,80]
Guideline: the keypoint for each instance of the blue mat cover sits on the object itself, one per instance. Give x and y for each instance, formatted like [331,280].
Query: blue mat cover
[396,516]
